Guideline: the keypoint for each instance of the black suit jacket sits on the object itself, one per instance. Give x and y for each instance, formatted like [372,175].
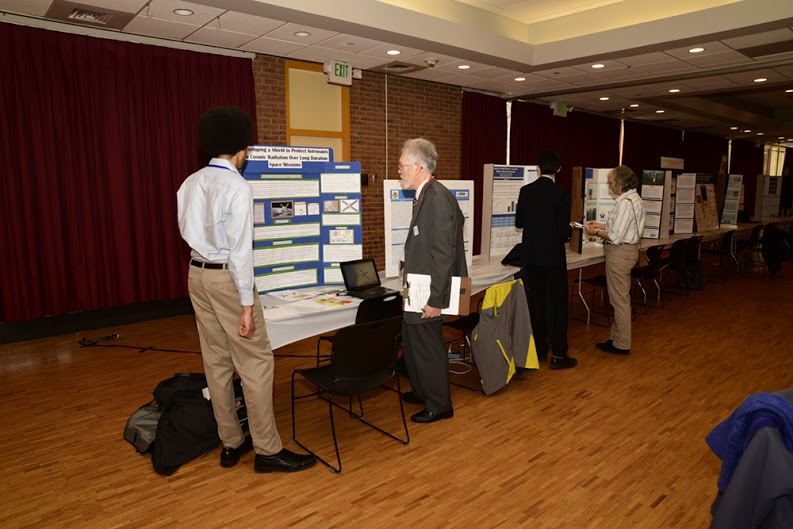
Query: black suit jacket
[434,245]
[543,212]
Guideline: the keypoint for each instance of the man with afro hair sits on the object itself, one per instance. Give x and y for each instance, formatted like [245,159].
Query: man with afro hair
[215,208]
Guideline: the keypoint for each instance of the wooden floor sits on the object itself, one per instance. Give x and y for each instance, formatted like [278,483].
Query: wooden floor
[618,442]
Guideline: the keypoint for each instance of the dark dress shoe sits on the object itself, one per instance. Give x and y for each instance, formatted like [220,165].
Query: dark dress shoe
[542,357]
[425,416]
[231,456]
[411,398]
[608,347]
[563,362]
[283,461]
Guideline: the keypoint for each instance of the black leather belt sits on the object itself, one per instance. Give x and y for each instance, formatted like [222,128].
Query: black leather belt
[210,266]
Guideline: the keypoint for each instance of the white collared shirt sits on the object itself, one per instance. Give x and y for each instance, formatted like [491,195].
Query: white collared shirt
[215,211]
[625,223]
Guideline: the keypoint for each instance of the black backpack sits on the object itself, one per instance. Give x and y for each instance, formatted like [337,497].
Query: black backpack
[187,427]
[141,427]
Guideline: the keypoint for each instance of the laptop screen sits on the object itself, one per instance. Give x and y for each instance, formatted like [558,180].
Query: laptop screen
[359,274]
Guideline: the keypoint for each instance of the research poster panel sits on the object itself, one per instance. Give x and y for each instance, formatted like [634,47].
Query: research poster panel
[507,180]
[398,210]
[306,216]
[732,197]
[598,201]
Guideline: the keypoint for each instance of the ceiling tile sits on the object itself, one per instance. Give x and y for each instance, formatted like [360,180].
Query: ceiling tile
[163,9]
[350,43]
[252,25]
[713,60]
[268,46]
[496,72]
[710,48]
[380,51]
[646,58]
[216,37]
[155,27]
[669,67]
[747,78]
[125,6]
[26,7]
[758,39]
[364,62]
[320,54]
[287,32]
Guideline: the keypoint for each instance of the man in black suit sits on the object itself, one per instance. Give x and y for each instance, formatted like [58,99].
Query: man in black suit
[434,247]
[543,212]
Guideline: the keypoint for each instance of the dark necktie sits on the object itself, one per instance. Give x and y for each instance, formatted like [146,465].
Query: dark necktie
[414,203]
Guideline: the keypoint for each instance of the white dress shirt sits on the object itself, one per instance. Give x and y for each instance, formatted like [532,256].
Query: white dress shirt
[215,209]
[625,223]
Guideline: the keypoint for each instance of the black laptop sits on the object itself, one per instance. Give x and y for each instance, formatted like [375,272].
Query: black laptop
[362,280]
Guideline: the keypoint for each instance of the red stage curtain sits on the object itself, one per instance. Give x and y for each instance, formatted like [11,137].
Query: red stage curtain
[484,140]
[645,144]
[747,160]
[97,137]
[581,139]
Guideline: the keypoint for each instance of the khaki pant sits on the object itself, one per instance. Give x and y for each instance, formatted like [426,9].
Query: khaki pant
[217,307]
[620,260]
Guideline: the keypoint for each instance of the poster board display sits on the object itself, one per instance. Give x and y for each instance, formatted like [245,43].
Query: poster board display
[500,191]
[306,215]
[767,197]
[685,198]
[732,197]
[705,211]
[598,201]
[655,193]
[398,210]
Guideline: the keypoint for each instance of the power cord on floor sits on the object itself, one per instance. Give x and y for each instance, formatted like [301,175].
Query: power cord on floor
[96,342]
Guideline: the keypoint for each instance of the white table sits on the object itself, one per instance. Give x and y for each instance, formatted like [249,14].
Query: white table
[291,320]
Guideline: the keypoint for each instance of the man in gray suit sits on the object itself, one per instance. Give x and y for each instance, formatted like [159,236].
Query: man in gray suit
[434,247]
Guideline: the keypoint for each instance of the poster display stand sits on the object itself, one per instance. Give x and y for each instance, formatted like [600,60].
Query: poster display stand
[500,191]
[306,215]
[732,197]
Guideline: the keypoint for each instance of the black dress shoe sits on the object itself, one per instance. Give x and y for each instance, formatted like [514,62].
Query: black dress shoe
[411,398]
[231,456]
[563,362]
[608,347]
[425,416]
[283,461]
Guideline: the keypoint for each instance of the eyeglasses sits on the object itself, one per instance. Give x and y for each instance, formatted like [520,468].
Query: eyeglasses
[403,165]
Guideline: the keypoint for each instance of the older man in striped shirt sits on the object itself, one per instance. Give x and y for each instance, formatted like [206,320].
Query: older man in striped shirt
[620,234]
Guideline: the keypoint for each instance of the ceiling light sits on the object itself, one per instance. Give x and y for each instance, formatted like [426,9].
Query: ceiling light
[760,80]
[696,50]
[748,130]
[520,78]
[733,128]
[604,98]
[302,34]
[789,90]
[635,105]
[759,133]
[182,12]
[393,52]
[660,111]
[674,90]
[463,66]
[598,66]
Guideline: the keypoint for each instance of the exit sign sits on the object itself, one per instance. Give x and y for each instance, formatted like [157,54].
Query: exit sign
[339,73]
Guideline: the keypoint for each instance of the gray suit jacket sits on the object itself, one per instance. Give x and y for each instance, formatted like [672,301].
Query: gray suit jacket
[434,245]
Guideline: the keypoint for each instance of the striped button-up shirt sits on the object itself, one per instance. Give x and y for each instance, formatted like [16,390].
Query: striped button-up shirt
[625,223]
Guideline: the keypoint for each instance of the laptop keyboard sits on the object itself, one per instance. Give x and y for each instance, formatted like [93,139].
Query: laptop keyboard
[372,292]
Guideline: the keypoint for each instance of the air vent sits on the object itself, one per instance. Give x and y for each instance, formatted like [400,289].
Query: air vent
[398,68]
[82,15]
[85,15]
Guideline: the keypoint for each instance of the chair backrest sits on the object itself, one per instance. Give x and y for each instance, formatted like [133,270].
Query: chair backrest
[692,248]
[654,259]
[727,241]
[755,235]
[677,254]
[374,309]
[364,356]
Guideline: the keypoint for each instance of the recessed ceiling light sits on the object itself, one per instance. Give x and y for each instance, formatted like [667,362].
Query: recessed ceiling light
[760,80]
[520,78]
[781,137]
[747,130]
[733,128]
[302,34]
[635,105]
[660,111]
[759,133]
[674,90]
[598,66]
[182,12]
[393,52]
[604,98]
[463,66]
[696,50]
[789,90]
